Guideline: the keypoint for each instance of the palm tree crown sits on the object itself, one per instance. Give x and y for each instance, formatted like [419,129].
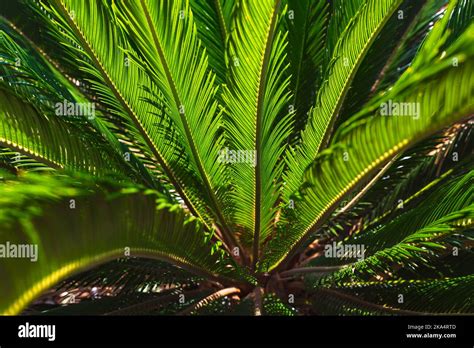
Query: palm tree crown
[233,156]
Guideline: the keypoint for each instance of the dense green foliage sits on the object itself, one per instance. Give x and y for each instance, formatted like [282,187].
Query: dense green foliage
[203,157]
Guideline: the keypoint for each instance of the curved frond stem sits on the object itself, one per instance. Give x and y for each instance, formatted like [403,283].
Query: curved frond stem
[318,269]
[211,298]
[222,24]
[367,187]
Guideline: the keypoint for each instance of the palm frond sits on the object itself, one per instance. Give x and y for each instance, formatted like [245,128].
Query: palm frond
[121,86]
[178,65]
[257,122]
[342,15]
[445,154]
[405,297]
[436,200]
[460,19]
[34,81]
[48,140]
[433,241]
[16,163]
[133,304]
[363,26]
[342,166]
[131,275]
[380,55]
[410,43]
[122,284]
[35,209]
[420,165]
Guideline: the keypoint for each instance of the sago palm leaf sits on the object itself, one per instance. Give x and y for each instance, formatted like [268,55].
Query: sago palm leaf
[232,142]
[307,23]
[352,45]
[122,284]
[380,55]
[444,199]
[21,69]
[432,241]
[178,65]
[122,87]
[404,297]
[15,163]
[411,42]
[451,149]
[132,275]
[335,173]
[48,140]
[445,154]
[100,227]
[258,121]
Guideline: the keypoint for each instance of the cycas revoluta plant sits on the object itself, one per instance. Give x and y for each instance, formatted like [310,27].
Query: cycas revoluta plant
[237,157]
